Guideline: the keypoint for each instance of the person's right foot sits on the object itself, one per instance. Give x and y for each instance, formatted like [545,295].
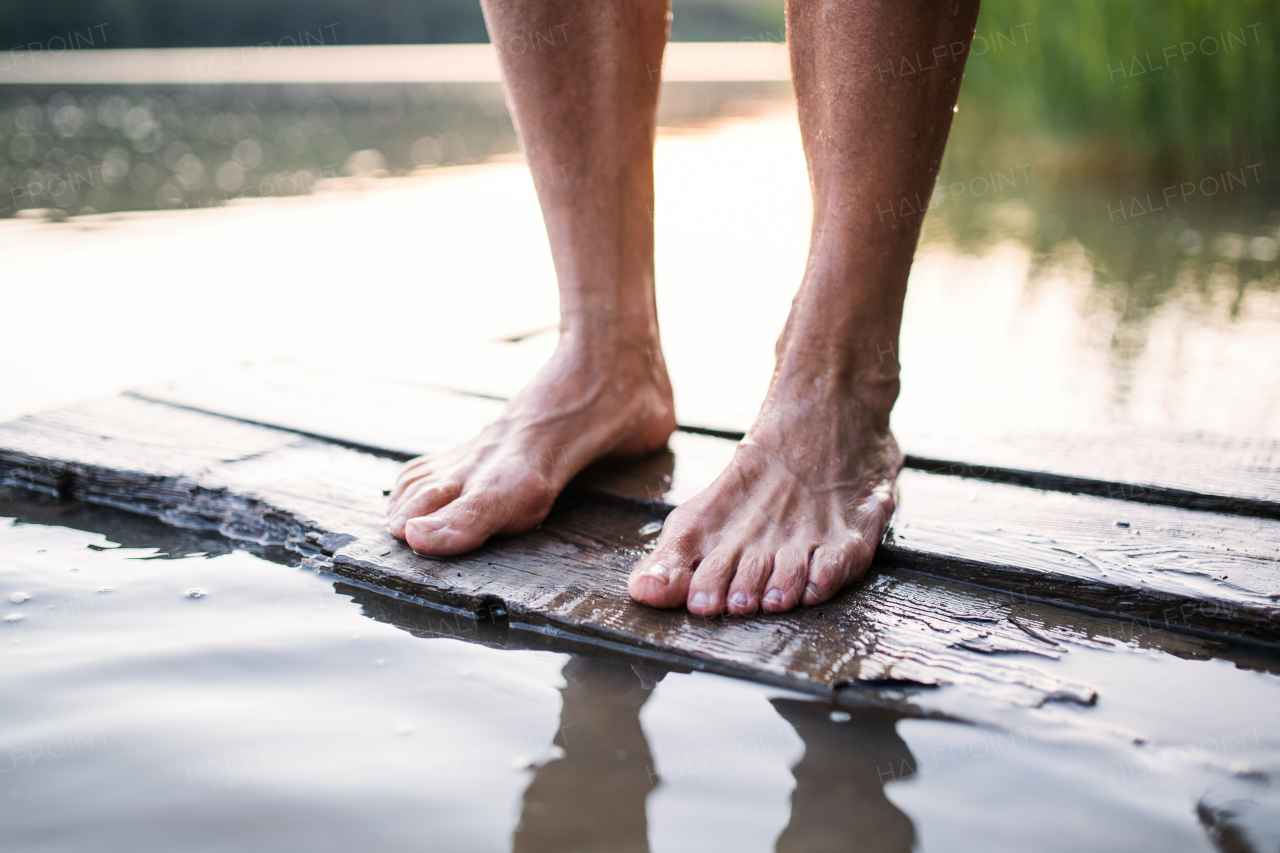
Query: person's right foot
[586,403]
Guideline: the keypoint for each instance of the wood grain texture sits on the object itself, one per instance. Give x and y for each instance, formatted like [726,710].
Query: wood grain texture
[1156,466]
[1203,570]
[897,630]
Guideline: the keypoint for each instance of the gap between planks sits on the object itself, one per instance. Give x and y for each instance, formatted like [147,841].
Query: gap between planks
[1233,475]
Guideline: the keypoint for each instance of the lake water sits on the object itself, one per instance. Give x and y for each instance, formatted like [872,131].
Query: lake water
[162,690]
[1042,297]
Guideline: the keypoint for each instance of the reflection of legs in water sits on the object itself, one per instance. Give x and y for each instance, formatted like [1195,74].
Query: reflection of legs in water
[839,802]
[593,798]
[800,509]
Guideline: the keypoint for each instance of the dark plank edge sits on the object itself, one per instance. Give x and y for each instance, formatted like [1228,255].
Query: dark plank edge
[371,449]
[1116,490]
[1071,484]
[514,617]
[426,619]
[660,509]
[1137,492]
[1210,619]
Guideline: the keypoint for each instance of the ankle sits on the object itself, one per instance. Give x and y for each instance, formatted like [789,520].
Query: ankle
[839,378]
[597,346]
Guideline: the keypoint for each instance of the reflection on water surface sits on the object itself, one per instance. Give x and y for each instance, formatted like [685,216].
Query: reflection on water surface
[271,713]
[1051,291]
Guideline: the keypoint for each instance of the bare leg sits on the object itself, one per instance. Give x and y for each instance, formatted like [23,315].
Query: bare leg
[799,511]
[580,84]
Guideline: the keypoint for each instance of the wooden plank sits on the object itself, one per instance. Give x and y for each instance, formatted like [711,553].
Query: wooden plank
[895,631]
[1205,570]
[1166,567]
[1199,471]
[1203,471]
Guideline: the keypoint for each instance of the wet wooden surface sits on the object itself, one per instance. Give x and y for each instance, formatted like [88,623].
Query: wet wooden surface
[1235,475]
[917,621]
[1207,570]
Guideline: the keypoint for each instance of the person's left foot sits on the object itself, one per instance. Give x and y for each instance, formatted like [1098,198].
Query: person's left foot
[795,517]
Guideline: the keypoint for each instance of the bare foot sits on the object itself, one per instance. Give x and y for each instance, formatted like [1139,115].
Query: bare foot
[588,402]
[794,518]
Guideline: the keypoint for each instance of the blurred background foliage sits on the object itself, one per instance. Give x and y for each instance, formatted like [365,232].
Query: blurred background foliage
[1094,80]
[1086,95]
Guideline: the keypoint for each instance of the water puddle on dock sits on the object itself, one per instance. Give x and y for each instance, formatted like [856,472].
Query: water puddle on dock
[164,691]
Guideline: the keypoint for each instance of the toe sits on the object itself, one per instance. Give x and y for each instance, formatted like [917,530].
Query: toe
[786,583]
[424,499]
[832,568]
[662,579]
[434,536]
[503,500]
[748,582]
[412,472]
[464,524]
[838,564]
[709,588]
[659,584]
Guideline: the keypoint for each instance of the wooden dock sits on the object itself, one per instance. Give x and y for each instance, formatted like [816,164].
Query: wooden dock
[1006,552]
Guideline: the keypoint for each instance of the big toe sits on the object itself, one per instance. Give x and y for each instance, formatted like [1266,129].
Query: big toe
[436,536]
[488,507]
[460,526]
[659,585]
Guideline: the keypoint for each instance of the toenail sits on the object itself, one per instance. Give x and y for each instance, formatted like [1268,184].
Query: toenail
[658,571]
[701,601]
[739,599]
[774,597]
[813,591]
[430,522]
[398,525]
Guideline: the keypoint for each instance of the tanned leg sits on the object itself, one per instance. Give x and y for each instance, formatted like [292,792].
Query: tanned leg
[581,81]
[799,511]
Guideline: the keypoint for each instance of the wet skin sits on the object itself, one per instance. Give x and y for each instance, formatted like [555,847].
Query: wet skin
[798,513]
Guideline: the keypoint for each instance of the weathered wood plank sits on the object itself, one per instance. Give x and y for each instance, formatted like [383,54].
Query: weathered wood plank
[1157,466]
[1114,555]
[1215,473]
[1203,570]
[567,578]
